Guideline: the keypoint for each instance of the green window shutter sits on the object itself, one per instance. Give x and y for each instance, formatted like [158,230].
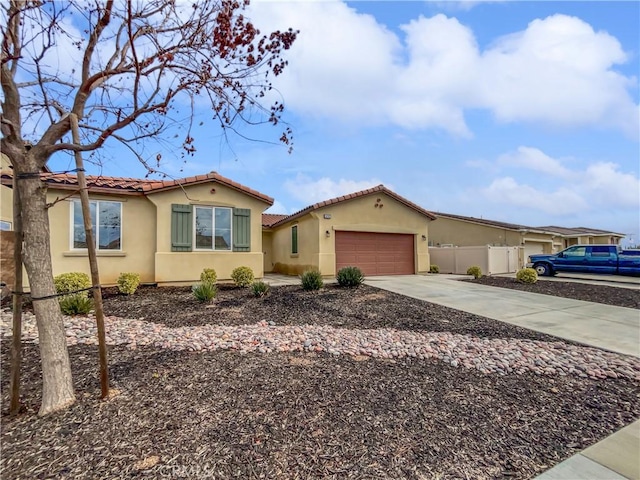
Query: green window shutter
[241,230]
[181,228]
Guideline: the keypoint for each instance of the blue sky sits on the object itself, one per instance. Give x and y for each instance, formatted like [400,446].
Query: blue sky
[525,112]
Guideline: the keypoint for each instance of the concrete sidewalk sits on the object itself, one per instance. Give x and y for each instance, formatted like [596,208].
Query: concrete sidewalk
[612,328]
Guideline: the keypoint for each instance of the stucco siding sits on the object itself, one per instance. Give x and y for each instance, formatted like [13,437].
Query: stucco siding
[138,238]
[377,212]
[186,266]
[448,231]
[290,263]
[6,193]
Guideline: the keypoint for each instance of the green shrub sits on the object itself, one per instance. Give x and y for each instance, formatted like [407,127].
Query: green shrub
[350,277]
[71,282]
[208,275]
[434,269]
[311,280]
[204,291]
[242,276]
[527,275]
[259,288]
[475,271]
[128,283]
[76,304]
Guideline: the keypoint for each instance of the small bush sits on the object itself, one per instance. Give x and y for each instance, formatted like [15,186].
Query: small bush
[128,283]
[204,291]
[527,275]
[311,280]
[259,288]
[71,282]
[475,271]
[350,277]
[242,276]
[76,304]
[208,275]
[434,269]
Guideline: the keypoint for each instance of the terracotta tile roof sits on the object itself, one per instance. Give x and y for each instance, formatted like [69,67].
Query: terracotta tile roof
[139,186]
[484,221]
[565,231]
[351,196]
[269,219]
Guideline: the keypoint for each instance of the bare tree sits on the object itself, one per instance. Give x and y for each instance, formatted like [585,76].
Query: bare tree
[121,68]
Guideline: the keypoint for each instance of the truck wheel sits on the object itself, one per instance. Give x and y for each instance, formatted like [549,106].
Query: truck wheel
[543,269]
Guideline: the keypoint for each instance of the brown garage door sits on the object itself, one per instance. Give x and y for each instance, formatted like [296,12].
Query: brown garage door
[375,253]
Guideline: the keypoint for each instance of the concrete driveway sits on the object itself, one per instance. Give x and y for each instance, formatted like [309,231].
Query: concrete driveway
[612,328]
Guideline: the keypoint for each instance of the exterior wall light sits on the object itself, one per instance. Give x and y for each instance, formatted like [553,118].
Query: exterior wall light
[424,238]
[327,233]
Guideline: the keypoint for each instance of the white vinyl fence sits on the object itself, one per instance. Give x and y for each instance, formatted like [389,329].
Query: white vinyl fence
[491,260]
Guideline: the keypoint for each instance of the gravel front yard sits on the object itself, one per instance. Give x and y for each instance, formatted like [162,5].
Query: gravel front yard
[243,407]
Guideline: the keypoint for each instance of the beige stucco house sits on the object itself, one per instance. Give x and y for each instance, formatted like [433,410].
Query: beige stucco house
[375,229]
[167,231]
[461,231]
[584,236]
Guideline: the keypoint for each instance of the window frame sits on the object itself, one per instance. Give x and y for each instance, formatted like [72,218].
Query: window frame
[294,243]
[213,248]
[72,246]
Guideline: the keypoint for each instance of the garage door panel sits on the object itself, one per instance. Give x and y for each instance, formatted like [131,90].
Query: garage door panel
[376,253]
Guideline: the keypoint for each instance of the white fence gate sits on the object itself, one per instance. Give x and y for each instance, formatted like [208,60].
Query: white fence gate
[491,260]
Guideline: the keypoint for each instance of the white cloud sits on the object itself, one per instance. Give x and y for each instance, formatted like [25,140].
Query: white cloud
[310,191]
[347,66]
[542,74]
[534,159]
[597,187]
[610,186]
[508,191]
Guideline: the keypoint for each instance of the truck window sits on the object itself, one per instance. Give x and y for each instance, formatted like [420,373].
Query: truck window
[604,251]
[575,252]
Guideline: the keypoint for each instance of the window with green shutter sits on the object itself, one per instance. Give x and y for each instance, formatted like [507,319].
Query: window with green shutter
[241,230]
[294,239]
[181,228]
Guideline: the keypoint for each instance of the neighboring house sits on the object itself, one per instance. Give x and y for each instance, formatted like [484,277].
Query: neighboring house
[463,231]
[584,236]
[374,229]
[470,232]
[167,231]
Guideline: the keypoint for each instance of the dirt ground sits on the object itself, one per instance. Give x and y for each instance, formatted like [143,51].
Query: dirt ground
[304,415]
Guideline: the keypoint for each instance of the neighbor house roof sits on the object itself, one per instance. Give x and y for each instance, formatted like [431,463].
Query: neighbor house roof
[269,219]
[351,196]
[139,186]
[579,231]
[562,231]
[483,221]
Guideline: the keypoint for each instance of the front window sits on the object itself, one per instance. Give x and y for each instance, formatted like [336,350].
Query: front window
[213,228]
[106,218]
[5,225]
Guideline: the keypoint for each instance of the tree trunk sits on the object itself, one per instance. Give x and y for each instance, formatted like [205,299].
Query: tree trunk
[16,342]
[57,384]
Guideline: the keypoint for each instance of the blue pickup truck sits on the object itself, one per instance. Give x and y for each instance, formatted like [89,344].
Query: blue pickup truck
[610,259]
